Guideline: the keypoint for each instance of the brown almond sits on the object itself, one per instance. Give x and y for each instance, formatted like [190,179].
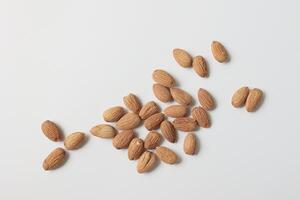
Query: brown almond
[239,97]
[162,93]
[154,121]
[206,100]
[176,111]
[128,121]
[54,159]
[219,52]
[146,162]
[51,131]
[104,131]
[123,139]
[113,114]
[181,96]
[182,57]
[74,140]
[132,102]
[201,116]
[152,140]
[200,66]
[164,78]
[135,149]
[166,155]
[190,144]
[185,124]
[168,131]
[254,99]
[149,109]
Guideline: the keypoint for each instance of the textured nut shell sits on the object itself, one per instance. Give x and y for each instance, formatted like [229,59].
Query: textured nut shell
[181,96]
[166,155]
[168,131]
[149,109]
[200,66]
[104,131]
[206,100]
[219,52]
[113,114]
[201,116]
[154,121]
[128,121]
[176,111]
[182,57]
[185,124]
[51,130]
[162,93]
[254,99]
[164,78]
[152,140]
[132,102]
[123,139]
[74,140]
[54,159]
[135,149]
[239,97]
[189,145]
[146,162]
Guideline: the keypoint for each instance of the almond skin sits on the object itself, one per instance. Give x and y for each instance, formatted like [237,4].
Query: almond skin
[123,139]
[201,116]
[219,52]
[181,96]
[162,93]
[168,131]
[132,102]
[164,78]
[113,114]
[146,162]
[54,159]
[200,66]
[176,111]
[254,99]
[128,121]
[74,140]
[135,149]
[185,124]
[104,131]
[152,140]
[153,122]
[189,145]
[239,97]
[51,131]
[166,155]
[182,57]
[206,100]
[149,109]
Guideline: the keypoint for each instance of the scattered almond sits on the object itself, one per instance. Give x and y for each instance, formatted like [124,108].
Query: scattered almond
[104,131]
[176,111]
[206,99]
[149,109]
[166,155]
[168,131]
[74,140]
[185,124]
[135,149]
[51,131]
[128,121]
[113,114]
[154,121]
[152,140]
[239,97]
[181,96]
[164,78]
[190,143]
[201,116]
[146,162]
[254,99]
[132,102]
[219,52]
[162,93]
[54,159]
[123,139]
[200,66]
[183,58]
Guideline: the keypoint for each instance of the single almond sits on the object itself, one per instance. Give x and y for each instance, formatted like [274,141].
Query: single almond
[164,78]
[166,155]
[200,66]
[154,121]
[219,52]
[123,139]
[201,116]
[206,100]
[185,124]
[239,97]
[135,149]
[113,114]
[146,162]
[254,99]
[128,121]
[74,140]
[152,140]
[51,131]
[176,111]
[168,131]
[148,109]
[54,159]
[132,102]
[162,93]
[182,57]
[181,96]
[104,131]
[190,144]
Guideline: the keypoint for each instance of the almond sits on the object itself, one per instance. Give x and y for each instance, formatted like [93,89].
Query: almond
[132,102]
[166,155]
[54,159]
[113,114]
[219,52]
[239,97]
[74,140]
[185,124]
[200,66]
[190,143]
[254,99]
[182,57]
[162,93]
[176,111]
[146,162]
[168,131]
[201,116]
[51,131]
[206,99]
[128,121]
[104,131]
[149,109]
[164,78]
[152,140]
[135,149]
[123,139]
[154,121]
[181,96]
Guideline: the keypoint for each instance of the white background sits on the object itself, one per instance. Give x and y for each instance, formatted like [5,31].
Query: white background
[68,61]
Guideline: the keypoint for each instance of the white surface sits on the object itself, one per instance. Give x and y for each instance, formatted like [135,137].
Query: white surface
[69,60]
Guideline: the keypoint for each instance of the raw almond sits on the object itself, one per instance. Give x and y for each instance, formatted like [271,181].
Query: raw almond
[123,139]
[168,131]
[254,99]
[113,114]
[51,131]
[201,116]
[54,159]
[149,109]
[154,121]
[146,162]
[190,143]
[162,93]
[206,99]
[164,78]
[185,124]
[166,155]
[182,57]
[200,66]
[152,140]
[219,52]
[74,140]
[128,121]
[104,131]
[132,102]
[239,97]
[135,149]
[181,96]
[176,111]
